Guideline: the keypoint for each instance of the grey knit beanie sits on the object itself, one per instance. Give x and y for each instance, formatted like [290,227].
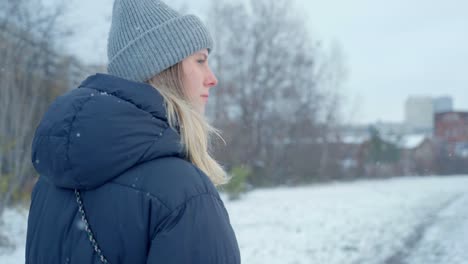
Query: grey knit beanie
[147,37]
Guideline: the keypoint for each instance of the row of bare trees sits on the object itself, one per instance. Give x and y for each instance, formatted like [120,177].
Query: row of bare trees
[28,83]
[278,101]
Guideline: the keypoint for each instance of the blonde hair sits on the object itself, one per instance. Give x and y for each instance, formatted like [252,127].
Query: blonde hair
[194,129]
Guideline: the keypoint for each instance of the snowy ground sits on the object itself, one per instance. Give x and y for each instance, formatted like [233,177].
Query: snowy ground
[396,221]
[15,222]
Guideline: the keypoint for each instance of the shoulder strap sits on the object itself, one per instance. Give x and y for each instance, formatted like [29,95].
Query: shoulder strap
[88,228]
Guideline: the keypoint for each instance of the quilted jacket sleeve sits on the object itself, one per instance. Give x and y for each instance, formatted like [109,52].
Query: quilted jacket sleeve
[196,232]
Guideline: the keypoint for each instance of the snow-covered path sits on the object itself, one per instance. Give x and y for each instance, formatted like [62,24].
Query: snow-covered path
[364,222]
[417,220]
[446,240]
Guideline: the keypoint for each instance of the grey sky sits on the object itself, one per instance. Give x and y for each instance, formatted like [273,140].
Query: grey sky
[393,48]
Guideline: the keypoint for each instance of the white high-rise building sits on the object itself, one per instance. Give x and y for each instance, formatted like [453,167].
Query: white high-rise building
[419,112]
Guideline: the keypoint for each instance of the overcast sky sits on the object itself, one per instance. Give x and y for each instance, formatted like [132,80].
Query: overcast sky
[393,48]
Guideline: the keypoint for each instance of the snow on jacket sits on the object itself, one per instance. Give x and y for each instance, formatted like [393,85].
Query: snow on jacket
[144,201]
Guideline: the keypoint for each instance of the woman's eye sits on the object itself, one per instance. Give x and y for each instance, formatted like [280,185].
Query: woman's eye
[201,61]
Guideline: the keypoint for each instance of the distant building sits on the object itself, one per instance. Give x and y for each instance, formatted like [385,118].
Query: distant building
[419,159]
[443,104]
[451,129]
[419,112]
[392,128]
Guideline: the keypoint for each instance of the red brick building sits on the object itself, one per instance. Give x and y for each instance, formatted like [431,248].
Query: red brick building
[451,130]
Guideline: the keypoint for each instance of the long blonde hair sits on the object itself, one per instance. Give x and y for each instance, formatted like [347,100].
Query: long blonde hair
[194,129]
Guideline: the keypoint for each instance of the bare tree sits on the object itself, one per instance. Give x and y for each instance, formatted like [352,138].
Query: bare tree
[268,102]
[28,30]
[332,74]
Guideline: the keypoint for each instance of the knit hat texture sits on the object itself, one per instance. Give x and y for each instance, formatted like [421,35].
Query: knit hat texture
[147,37]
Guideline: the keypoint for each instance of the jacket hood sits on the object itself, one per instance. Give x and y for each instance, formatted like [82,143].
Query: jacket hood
[96,132]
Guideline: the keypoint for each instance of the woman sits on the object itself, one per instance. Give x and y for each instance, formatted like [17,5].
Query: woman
[125,175]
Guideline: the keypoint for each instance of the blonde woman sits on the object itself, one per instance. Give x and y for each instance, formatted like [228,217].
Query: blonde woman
[125,172]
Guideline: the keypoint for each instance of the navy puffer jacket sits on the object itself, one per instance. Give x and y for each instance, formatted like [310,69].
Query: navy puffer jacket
[144,201]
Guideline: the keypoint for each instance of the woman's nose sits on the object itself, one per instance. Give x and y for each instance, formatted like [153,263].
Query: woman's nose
[211,79]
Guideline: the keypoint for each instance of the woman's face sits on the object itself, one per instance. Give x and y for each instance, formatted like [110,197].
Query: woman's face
[198,79]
